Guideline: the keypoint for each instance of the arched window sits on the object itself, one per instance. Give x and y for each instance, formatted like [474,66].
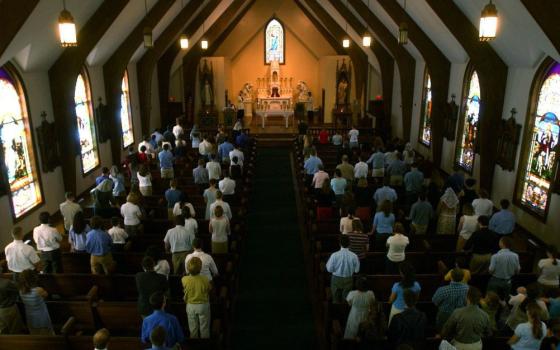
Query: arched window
[274,42]
[17,146]
[469,125]
[126,116]
[426,117]
[86,125]
[542,133]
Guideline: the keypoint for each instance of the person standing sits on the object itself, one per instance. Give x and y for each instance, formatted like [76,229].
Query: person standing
[220,230]
[503,266]
[21,256]
[360,300]
[407,282]
[482,243]
[468,224]
[413,184]
[172,196]
[33,299]
[223,151]
[209,268]
[178,129]
[450,297]
[319,177]
[361,169]
[377,161]
[200,175]
[447,212]
[209,197]
[220,202]
[342,265]
[382,226]
[148,282]
[385,193]
[166,160]
[346,169]
[98,244]
[48,240]
[409,326]
[214,168]
[353,136]
[549,269]
[359,240]
[468,325]
[78,233]
[421,213]
[132,215]
[396,249]
[178,241]
[68,209]
[118,181]
[529,335]
[227,186]
[483,205]
[10,319]
[168,322]
[197,289]
[503,221]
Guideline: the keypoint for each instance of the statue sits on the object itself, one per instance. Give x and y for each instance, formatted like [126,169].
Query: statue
[102,117]
[303,91]
[451,112]
[509,134]
[206,76]
[343,83]
[247,92]
[48,144]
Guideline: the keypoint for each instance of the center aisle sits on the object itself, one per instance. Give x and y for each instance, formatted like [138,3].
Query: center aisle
[273,309]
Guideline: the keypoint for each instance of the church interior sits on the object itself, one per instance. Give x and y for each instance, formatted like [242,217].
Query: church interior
[314,174]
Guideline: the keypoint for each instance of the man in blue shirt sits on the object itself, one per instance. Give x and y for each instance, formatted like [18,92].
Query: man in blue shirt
[172,196]
[98,244]
[503,222]
[166,159]
[450,297]
[223,151]
[242,140]
[385,193]
[377,163]
[104,176]
[342,265]
[503,266]
[163,319]
[413,183]
[311,166]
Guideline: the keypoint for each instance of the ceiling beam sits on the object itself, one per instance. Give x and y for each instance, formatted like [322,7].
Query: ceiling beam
[438,67]
[114,68]
[492,74]
[145,67]
[386,61]
[165,62]
[62,77]
[216,34]
[13,14]
[336,45]
[405,62]
[357,55]
[545,13]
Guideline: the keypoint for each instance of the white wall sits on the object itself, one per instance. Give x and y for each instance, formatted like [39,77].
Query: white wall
[134,101]
[417,108]
[396,107]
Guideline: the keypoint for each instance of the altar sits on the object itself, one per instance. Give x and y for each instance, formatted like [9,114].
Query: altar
[275,106]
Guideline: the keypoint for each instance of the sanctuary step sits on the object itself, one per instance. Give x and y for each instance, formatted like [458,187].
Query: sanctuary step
[275,139]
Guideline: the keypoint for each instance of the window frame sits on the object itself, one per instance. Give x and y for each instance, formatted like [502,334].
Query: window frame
[283,39]
[460,128]
[85,76]
[129,109]
[423,109]
[540,77]
[33,155]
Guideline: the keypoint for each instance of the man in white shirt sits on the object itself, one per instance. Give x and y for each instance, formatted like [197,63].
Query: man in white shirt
[178,241]
[178,129]
[132,216]
[483,206]
[353,136]
[209,268]
[319,177]
[149,148]
[205,147]
[214,168]
[47,240]
[68,209]
[361,169]
[227,186]
[21,256]
[237,153]
[219,201]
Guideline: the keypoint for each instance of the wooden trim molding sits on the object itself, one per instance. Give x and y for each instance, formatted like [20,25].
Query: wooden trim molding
[545,13]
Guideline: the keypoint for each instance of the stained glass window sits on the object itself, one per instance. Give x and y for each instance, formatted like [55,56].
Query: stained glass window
[17,146]
[469,130]
[86,128]
[426,119]
[274,42]
[544,138]
[126,117]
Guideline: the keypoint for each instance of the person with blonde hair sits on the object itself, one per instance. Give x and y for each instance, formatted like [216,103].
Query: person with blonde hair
[197,289]
[529,335]
[145,180]
[220,230]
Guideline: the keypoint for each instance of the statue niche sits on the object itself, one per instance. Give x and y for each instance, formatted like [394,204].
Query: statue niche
[48,144]
[206,76]
[509,134]
[451,113]
[343,83]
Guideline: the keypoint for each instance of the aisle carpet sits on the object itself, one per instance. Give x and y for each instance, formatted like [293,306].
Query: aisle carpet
[273,310]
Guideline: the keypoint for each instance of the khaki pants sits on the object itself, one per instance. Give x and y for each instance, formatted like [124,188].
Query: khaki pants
[167,173]
[419,229]
[10,320]
[198,316]
[145,190]
[340,287]
[472,346]
[178,260]
[396,180]
[103,262]
[480,263]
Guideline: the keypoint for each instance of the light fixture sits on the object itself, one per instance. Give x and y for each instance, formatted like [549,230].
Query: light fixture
[67,28]
[184,41]
[366,40]
[203,42]
[345,43]
[403,29]
[148,38]
[488,22]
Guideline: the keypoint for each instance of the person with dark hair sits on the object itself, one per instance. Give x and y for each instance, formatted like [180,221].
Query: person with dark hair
[396,245]
[144,180]
[503,221]
[528,335]
[238,153]
[383,222]
[132,215]
[197,289]
[421,213]
[319,177]
[413,184]
[166,160]
[552,340]
[235,169]
[482,244]
[227,186]
[360,300]
[99,244]
[68,209]
[338,185]
[483,205]
[520,301]
[78,233]
[169,136]
[324,199]
[242,140]
[377,162]
[118,234]
[469,193]
[408,281]
[172,196]
[396,171]
[20,256]
[359,240]
[157,338]
[346,222]
[409,326]
[361,169]
[342,265]
[385,193]
[147,283]
[220,230]
[209,268]
[178,241]
[223,151]
[346,170]
[167,321]
[311,165]
[104,176]
[220,202]
[161,264]
[468,224]
[210,197]
[467,325]
[503,266]
[101,339]
[48,240]
[450,297]
[549,268]
[33,299]
[461,264]
[200,174]
[214,168]
[10,319]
